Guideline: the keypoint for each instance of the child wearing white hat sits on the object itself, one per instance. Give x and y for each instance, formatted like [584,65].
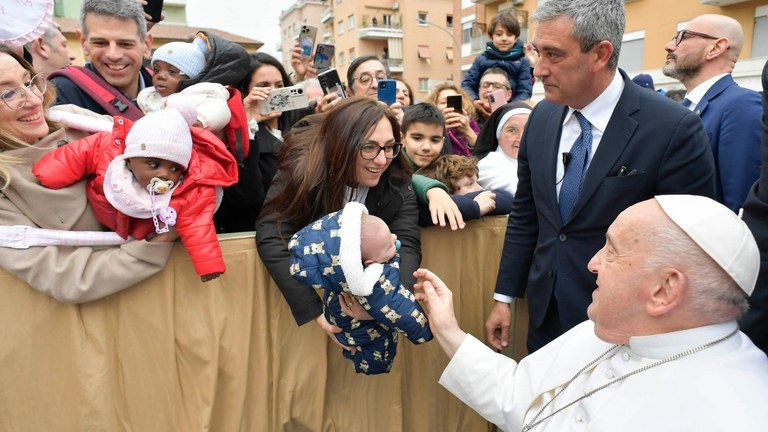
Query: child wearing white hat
[178,61]
[146,177]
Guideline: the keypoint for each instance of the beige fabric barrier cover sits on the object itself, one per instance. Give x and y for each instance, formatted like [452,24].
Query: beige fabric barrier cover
[174,354]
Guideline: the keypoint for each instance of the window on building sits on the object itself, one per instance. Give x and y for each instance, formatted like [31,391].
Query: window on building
[350,22]
[632,45]
[466,32]
[760,33]
[386,20]
[340,28]
[424,85]
[423,18]
[449,21]
[341,58]
[351,54]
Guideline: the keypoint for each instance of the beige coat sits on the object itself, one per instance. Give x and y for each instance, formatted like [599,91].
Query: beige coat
[69,274]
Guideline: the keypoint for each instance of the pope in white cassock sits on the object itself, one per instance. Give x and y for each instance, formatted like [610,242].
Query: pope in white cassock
[661,350]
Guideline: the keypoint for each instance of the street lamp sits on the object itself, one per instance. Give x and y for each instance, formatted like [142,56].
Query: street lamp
[456,46]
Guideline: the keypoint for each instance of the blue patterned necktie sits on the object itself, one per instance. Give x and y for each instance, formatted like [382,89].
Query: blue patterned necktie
[576,168]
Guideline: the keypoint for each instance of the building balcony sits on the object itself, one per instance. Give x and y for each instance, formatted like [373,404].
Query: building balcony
[394,65]
[380,27]
[326,16]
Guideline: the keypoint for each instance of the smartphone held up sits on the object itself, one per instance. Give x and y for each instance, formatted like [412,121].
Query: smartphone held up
[154,8]
[307,35]
[455,102]
[324,56]
[284,99]
[330,83]
[387,91]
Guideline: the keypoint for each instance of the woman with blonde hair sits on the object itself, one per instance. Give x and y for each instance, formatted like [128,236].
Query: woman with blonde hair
[460,127]
[34,219]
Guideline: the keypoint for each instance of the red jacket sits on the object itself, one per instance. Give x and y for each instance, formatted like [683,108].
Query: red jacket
[194,199]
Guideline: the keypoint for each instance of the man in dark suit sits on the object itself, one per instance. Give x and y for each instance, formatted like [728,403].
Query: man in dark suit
[702,57]
[755,322]
[595,146]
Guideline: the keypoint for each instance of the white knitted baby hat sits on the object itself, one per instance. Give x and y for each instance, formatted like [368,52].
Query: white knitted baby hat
[163,135]
[186,56]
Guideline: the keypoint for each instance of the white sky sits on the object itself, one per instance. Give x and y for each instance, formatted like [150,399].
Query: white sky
[256,19]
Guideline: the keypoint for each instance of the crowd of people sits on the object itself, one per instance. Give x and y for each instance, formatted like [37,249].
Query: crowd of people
[605,184]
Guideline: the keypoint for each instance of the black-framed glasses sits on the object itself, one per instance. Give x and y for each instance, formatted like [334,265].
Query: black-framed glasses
[680,36]
[366,78]
[370,151]
[496,86]
[16,97]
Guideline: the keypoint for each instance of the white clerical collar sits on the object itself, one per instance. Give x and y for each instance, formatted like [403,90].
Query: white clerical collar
[599,111]
[698,93]
[666,344]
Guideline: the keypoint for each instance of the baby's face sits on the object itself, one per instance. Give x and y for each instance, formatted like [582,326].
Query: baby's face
[166,78]
[378,243]
[144,169]
[466,185]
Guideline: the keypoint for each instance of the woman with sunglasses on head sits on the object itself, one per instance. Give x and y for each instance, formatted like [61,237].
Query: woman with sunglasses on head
[351,153]
[67,273]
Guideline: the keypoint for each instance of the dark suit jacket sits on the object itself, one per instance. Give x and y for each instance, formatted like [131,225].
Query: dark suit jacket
[731,117]
[755,322]
[658,139]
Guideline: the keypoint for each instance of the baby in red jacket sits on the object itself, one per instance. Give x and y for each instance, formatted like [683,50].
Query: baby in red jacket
[148,176]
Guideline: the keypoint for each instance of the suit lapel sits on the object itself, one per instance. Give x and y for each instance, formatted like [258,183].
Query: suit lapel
[550,144]
[718,87]
[617,134]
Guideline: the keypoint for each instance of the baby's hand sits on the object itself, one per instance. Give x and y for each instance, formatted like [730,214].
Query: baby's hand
[210,276]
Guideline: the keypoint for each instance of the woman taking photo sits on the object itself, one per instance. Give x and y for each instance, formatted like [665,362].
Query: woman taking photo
[69,274]
[242,202]
[351,153]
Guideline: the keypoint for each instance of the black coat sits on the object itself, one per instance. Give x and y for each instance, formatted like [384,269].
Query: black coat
[755,322]
[393,200]
[227,63]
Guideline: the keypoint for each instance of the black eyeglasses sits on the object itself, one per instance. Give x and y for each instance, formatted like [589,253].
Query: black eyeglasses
[680,36]
[370,151]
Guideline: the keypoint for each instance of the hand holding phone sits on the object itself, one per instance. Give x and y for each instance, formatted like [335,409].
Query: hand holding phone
[496,99]
[330,83]
[324,56]
[307,39]
[154,8]
[284,99]
[387,91]
[455,102]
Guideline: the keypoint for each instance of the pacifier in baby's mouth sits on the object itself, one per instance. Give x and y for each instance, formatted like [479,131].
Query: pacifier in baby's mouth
[158,185]
[397,245]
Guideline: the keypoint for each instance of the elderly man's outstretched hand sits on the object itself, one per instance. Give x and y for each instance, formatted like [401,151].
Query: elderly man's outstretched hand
[438,300]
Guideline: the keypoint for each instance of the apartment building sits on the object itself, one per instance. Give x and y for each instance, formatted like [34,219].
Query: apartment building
[650,25]
[299,13]
[417,40]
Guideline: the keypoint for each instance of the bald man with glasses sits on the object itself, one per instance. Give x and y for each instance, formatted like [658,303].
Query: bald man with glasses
[702,57]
